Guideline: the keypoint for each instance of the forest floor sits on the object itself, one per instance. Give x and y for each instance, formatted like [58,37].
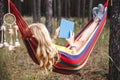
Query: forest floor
[19,66]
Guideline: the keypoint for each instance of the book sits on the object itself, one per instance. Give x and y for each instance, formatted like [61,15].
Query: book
[66,26]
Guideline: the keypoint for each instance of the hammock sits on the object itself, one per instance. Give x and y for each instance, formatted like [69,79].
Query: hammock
[68,63]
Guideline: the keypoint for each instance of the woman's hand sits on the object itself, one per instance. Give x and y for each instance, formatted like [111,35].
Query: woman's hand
[56,35]
[71,39]
[71,42]
[57,32]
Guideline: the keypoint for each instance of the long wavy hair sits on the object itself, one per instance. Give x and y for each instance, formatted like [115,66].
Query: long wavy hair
[46,50]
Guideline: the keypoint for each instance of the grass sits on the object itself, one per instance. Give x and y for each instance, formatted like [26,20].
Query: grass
[19,66]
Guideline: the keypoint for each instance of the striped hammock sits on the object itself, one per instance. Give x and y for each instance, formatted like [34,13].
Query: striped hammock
[68,63]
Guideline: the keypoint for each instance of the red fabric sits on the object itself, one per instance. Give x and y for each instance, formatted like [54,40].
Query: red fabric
[23,27]
[30,42]
[106,3]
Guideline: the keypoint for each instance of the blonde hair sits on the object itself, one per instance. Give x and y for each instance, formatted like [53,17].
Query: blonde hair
[46,51]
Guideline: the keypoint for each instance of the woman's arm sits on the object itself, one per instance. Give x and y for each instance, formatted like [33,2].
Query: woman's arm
[56,35]
[70,40]
[54,39]
[71,43]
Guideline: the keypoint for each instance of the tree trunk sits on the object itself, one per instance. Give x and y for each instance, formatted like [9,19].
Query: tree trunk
[26,7]
[68,10]
[59,10]
[114,46]
[66,4]
[78,8]
[18,5]
[49,12]
[55,8]
[83,11]
[90,9]
[36,10]
[2,12]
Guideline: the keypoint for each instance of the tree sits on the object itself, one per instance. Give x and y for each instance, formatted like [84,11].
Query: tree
[114,46]
[90,9]
[18,5]
[83,10]
[55,8]
[2,12]
[59,10]
[78,8]
[65,4]
[67,8]
[36,10]
[25,6]
[49,13]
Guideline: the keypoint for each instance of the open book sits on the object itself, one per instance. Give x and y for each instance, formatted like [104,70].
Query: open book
[66,27]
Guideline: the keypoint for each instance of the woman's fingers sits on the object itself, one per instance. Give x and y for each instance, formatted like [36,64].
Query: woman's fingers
[71,39]
[71,34]
[57,31]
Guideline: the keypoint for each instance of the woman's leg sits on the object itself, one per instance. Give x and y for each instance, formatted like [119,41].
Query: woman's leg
[97,15]
[86,34]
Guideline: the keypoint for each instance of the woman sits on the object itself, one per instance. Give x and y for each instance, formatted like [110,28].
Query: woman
[47,52]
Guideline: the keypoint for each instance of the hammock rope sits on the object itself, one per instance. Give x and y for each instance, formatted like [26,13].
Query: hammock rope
[68,63]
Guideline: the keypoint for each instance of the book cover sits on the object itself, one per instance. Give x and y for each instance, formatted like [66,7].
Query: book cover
[65,27]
